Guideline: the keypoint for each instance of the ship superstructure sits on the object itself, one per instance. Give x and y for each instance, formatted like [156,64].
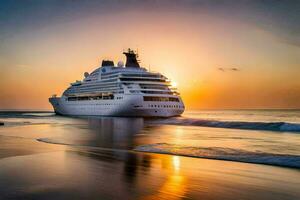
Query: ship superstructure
[122,90]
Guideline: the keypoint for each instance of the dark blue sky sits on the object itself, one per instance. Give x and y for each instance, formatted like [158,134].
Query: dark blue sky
[281,17]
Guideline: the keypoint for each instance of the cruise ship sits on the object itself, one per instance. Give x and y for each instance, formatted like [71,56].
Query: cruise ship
[122,90]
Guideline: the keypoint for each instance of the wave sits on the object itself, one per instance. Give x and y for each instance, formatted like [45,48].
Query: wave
[268,126]
[25,114]
[221,153]
[53,141]
[20,123]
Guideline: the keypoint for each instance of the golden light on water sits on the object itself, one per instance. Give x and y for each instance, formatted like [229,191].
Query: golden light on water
[176,163]
[175,185]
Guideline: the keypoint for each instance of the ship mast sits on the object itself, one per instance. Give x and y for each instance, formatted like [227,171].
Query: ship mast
[131,59]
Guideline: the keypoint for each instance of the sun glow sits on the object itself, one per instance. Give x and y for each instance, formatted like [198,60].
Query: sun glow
[176,163]
[174,84]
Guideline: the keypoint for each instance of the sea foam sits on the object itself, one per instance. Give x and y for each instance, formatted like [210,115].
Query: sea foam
[221,153]
[268,126]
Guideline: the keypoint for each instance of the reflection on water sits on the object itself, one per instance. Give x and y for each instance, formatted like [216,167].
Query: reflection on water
[115,132]
[173,188]
[176,163]
[175,184]
[154,176]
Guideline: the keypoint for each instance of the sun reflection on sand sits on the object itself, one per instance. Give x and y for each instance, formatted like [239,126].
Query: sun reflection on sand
[176,163]
[174,186]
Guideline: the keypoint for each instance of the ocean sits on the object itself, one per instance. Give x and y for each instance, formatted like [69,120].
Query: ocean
[236,153]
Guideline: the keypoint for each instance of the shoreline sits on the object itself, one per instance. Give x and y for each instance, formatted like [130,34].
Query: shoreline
[23,152]
[136,150]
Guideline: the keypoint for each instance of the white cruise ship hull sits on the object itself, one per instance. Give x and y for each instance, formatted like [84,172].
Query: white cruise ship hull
[128,105]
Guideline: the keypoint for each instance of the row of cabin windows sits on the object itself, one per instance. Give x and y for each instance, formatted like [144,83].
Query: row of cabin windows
[165,106]
[151,92]
[99,84]
[154,87]
[116,90]
[142,75]
[174,99]
[144,79]
[111,89]
[156,92]
[85,98]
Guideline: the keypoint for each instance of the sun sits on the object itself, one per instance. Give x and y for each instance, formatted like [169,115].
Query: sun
[174,84]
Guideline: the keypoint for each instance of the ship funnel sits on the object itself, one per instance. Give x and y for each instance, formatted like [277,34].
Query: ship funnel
[131,59]
[107,63]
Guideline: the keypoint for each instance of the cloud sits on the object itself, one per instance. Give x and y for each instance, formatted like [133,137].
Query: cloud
[232,69]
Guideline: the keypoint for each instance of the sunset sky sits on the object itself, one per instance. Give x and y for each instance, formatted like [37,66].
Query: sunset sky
[222,54]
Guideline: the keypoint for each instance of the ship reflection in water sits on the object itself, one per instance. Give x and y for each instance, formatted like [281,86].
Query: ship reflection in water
[97,162]
[115,133]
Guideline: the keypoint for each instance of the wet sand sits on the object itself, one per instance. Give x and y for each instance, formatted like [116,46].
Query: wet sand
[36,170]
[17,146]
